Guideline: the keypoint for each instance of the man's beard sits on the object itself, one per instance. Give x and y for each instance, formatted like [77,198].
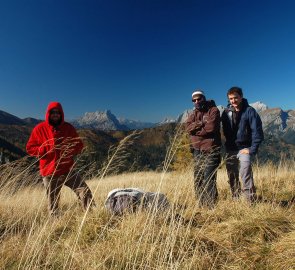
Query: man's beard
[55,123]
[200,105]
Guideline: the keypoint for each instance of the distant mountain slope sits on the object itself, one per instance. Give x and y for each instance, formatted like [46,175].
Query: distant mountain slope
[99,120]
[134,124]
[16,135]
[32,121]
[107,121]
[259,106]
[275,121]
[9,119]
[146,150]
[101,130]
[279,123]
[167,120]
[13,151]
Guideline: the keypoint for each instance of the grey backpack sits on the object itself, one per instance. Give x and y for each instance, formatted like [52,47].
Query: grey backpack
[130,200]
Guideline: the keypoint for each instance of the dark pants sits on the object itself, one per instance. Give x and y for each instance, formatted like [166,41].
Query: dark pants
[205,173]
[53,185]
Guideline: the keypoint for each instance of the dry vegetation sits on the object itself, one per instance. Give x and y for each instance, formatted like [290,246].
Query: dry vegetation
[234,235]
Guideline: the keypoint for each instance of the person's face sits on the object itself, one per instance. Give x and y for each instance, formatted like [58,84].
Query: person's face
[197,99]
[235,100]
[55,115]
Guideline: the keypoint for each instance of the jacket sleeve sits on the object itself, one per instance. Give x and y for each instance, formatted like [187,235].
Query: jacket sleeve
[78,143]
[34,143]
[74,142]
[193,126]
[212,125]
[256,131]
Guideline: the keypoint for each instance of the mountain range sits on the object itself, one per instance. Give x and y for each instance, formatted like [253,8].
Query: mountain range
[276,122]
[100,121]
[101,130]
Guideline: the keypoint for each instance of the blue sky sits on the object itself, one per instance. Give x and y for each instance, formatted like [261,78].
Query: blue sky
[142,59]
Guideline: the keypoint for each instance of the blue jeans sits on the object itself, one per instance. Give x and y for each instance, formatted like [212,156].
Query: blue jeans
[205,173]
[239,165]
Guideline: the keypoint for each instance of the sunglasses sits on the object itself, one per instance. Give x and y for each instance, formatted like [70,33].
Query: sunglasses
[54,112]
[197,99]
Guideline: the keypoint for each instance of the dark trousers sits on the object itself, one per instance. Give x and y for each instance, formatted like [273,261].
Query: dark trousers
[205,174]
[53,185]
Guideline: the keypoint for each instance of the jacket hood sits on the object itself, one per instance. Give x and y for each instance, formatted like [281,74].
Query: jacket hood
[245,103]
[54,105]
[211,103]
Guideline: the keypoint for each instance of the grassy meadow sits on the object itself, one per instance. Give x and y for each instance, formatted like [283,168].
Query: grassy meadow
[234,235]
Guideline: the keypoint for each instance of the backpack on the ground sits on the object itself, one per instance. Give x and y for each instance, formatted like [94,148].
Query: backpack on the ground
[130,200]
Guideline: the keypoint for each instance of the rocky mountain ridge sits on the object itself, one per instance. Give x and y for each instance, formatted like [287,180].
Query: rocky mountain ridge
[276,122]
[135,124]
[99,120]
[279,126]
[9,119]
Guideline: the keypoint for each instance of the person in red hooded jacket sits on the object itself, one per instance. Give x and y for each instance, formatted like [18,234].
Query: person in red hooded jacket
[55,142]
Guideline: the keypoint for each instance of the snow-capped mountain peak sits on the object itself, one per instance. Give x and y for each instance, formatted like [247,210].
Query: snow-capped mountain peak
[103,120]
[167,120]
[259,106]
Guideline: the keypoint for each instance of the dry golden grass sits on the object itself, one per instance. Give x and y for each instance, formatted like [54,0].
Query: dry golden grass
[234,235]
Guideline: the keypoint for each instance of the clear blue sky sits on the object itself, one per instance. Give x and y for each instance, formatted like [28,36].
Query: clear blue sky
[142,59]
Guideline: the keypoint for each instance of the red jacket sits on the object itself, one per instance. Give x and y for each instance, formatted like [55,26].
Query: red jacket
[54,146]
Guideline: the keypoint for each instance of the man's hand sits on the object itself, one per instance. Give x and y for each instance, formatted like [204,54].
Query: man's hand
[245,151]
[194,127]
